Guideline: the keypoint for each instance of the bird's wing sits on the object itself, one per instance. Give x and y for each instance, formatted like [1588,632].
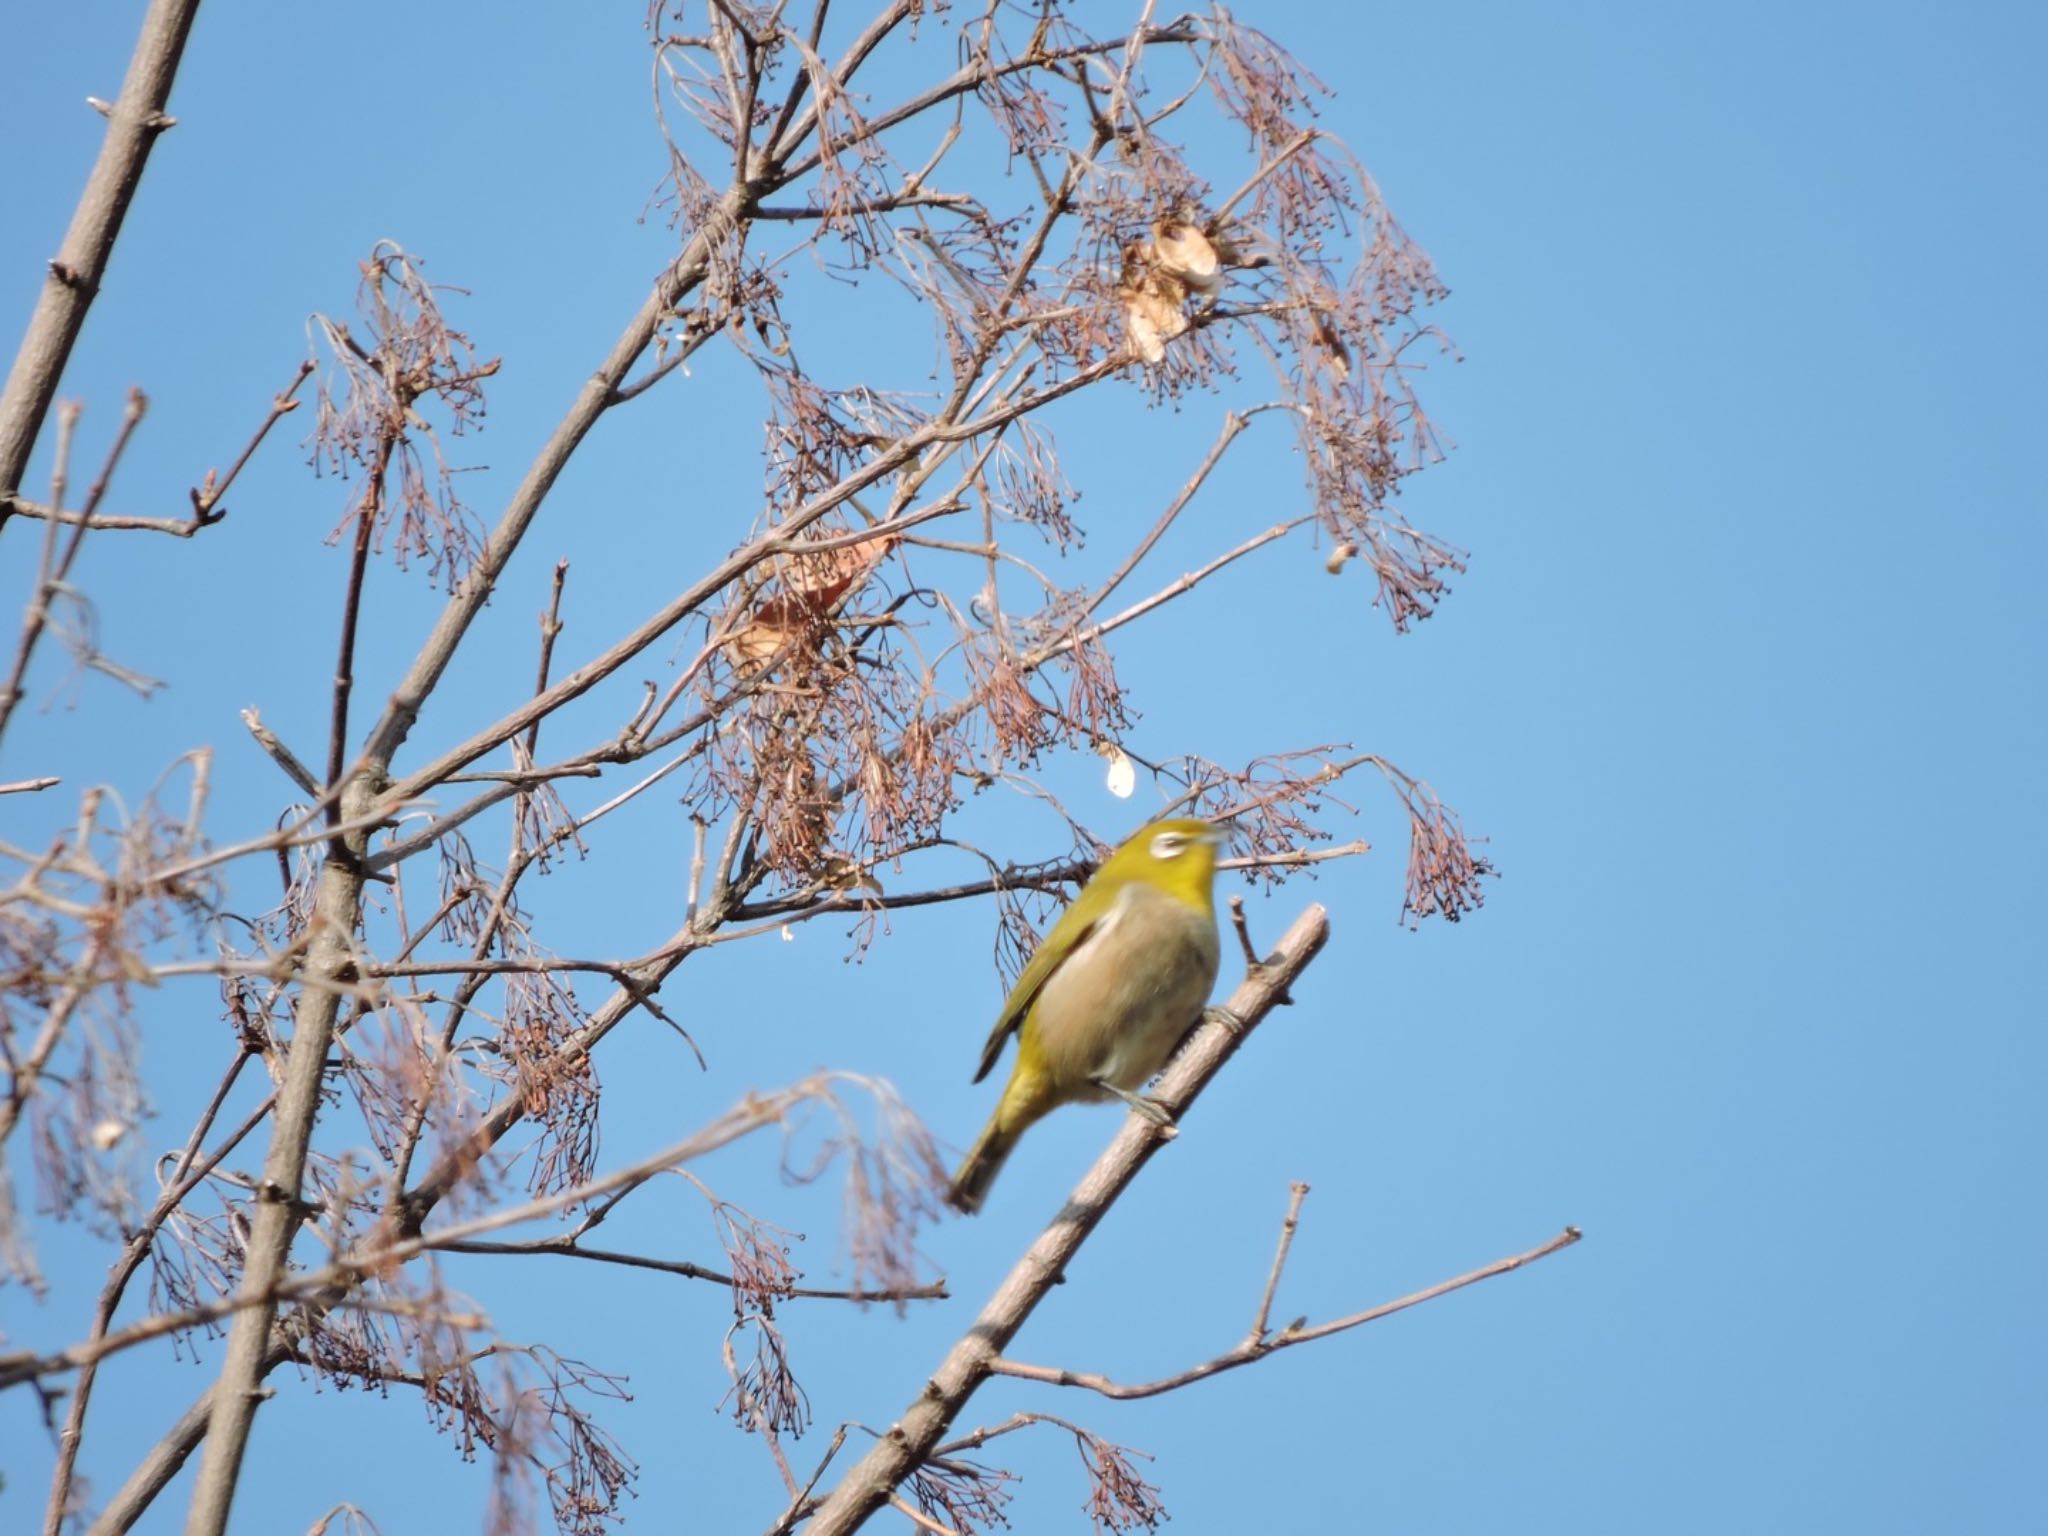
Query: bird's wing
[1045,960]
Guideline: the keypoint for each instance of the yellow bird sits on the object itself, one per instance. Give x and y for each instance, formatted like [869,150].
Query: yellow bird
[1109,993]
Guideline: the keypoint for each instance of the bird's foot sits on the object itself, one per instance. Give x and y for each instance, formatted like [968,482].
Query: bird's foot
[1143,1104]
[1229,1018]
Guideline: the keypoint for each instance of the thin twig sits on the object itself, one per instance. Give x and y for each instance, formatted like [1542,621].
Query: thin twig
[563,1247]
[1234,423]
[55,570]
[800,1505]
[918,1517]
[35,511]
[516,778]
[1246,1353]
[1244,933]
[1287,152]
[25,1071]
[1049,875]
[550,627]
[185,1177]
[1296,1193]
[207,494]
[282,755]
[345,1271]
[366,514]
[975,1439]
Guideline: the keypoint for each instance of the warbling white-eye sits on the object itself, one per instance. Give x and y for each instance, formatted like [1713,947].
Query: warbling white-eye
[1108,993]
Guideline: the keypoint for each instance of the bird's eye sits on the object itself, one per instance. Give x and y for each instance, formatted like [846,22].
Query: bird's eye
[1168,845]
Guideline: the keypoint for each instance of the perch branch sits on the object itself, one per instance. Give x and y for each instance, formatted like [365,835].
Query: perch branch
[916,1435]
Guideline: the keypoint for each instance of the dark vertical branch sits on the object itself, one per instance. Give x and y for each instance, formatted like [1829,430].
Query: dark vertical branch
[351,612]
[550,627]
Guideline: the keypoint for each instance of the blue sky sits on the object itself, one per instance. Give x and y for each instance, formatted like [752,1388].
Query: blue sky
[1750,311]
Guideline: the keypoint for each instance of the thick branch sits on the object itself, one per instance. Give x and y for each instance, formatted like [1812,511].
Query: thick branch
[918,1432]
[73,281]
[167,1457]
[278,1210]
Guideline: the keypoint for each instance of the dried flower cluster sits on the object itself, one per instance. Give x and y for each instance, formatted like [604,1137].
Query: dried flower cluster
[368,420]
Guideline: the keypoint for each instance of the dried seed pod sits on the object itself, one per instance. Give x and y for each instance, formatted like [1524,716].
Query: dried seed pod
[811,584]
[1152,304]
[1336,355]
[1183,250]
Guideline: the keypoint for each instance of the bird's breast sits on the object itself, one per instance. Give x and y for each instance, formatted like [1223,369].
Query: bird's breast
[1123,1000]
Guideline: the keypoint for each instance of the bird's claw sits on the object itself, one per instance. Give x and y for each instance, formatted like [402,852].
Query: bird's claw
[1229,1018]
[1154,1111]
[1144,1104]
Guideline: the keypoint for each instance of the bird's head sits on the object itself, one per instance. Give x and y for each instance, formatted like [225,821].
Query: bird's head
[1176,856]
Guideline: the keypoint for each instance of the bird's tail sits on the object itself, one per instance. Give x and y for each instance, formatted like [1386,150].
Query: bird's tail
[983,1162]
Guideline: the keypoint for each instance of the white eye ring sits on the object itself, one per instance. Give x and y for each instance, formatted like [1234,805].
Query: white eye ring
[1169,845]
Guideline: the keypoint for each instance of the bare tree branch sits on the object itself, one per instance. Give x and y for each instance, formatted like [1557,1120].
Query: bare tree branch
[564,1247]
[168,1456]
[56,567]
[1264,1344]
[35,511]
[744,1118]
[329,959]
[134,120]
[184,1179]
